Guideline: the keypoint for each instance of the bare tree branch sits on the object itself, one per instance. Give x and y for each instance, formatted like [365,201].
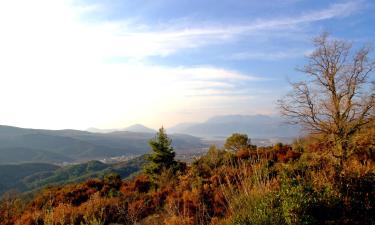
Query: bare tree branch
[337,100]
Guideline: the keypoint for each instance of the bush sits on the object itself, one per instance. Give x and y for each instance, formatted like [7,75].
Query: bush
[358,193]
[258,210]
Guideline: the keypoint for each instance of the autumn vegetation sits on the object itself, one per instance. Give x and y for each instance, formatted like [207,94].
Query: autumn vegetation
[282,184]
[324,177]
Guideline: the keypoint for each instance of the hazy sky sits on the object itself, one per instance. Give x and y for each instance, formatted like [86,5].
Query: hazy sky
[109,64]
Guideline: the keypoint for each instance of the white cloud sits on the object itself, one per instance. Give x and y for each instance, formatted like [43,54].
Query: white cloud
[52,26]
[166,41]
[276,55]
[53,72]
[107,95]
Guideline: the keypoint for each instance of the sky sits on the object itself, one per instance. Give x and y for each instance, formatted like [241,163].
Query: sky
[111,64]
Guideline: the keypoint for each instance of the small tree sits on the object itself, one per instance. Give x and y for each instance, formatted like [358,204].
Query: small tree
[162,156]
[237,142]
[337,99]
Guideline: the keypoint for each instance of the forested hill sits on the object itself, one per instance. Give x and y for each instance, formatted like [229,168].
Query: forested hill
[19,145]
[32,176]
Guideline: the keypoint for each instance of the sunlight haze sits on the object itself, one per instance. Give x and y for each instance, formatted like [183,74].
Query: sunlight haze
[110,64]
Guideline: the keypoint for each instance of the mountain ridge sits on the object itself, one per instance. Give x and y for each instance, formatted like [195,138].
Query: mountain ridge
[20,145]
[256,126]
[132,128]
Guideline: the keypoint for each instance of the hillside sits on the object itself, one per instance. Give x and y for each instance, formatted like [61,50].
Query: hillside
[272,185]
[19,145]
[12,176]
[282,184]
[30,176]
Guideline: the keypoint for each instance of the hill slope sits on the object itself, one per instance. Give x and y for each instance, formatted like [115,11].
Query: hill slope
[30,176]
[19,145]
[11,176]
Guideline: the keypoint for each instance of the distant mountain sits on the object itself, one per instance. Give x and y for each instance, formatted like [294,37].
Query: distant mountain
[133,128]
[20,145]
[97,130]
[181,127]
[30,176]
[23,154]
[256,126]
[140,128]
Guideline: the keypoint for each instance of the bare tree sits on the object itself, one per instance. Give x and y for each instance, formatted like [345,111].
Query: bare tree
[337,99]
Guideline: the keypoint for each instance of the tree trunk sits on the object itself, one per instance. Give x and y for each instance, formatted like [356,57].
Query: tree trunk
[342,146]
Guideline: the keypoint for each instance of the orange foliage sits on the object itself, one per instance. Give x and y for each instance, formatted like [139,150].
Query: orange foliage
[194,197]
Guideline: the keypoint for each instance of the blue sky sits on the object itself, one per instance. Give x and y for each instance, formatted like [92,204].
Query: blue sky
[109,64]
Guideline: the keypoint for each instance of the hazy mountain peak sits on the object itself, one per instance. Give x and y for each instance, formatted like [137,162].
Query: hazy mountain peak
[139,128]
[97,130]
[256,126]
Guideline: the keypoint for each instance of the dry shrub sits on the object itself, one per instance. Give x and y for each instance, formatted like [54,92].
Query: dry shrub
[30,218]
[251,197]
[140,184]
[137,209]
[244,154]
[109,210]
[62,214]
[179,220]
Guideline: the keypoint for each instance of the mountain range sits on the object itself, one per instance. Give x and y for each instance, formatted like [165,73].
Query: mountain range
[32,158]
[255,126]
[220,127]
[133,128]
[18,145]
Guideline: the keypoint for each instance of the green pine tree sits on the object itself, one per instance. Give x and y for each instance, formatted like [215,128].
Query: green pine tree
[162,156]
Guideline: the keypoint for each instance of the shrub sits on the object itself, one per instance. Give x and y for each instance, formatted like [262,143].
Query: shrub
[358,192]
